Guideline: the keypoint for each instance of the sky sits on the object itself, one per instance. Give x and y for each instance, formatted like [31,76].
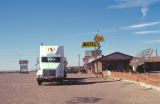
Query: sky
[129,26]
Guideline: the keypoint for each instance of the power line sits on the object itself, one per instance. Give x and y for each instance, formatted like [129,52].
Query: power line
[19,55]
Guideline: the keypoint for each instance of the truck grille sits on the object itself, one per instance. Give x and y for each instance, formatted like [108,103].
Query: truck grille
[47,72]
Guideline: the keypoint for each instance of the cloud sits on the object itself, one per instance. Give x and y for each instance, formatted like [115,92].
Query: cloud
[142,4]
[144,11]
[142,25]
[148,32]
[152,42]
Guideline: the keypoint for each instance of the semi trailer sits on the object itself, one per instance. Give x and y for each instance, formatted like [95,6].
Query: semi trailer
[51,64]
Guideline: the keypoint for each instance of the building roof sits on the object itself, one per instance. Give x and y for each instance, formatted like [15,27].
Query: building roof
[154,59]
[117,56]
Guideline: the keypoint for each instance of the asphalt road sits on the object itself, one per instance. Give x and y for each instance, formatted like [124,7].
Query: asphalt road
[18,88]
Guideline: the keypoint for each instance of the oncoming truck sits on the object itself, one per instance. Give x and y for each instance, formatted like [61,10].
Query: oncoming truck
[52,64]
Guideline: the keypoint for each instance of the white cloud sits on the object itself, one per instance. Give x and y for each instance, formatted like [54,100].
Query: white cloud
[152,42]
[144,11]
[142,25]
[148,32]
[142,4]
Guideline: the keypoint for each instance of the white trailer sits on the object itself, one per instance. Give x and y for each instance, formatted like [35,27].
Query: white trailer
[52,62]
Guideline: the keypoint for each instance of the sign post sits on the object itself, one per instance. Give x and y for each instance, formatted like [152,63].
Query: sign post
[93,53]
[98,52]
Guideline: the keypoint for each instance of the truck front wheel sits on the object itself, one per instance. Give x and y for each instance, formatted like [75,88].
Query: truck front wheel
[39,80]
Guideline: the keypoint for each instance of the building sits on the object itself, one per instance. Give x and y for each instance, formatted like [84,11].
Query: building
[152,64]
[121,62]
[114,62]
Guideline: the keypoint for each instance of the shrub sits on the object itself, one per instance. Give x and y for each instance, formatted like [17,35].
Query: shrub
[83,71]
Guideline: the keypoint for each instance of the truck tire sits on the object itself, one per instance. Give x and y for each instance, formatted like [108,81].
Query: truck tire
[39,81]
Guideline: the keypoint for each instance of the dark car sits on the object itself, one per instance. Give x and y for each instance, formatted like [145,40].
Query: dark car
[75,71]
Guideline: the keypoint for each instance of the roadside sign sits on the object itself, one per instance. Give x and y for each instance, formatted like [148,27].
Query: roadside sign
[89,44]
[88,53]
[92,53]
[96,53]
[23,66]
[85,60]
[99,38]
[23,61]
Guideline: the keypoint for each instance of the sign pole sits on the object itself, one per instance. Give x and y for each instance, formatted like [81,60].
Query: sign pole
[96,51]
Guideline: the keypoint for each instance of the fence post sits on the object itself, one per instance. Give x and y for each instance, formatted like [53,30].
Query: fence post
[137,76]
[147,78]
[159,82]
[129,74]
[124,74]
[159,79]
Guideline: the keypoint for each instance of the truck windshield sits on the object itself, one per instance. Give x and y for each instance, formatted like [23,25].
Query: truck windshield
[51,59]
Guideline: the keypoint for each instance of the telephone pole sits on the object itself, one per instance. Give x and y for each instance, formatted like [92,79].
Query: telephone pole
[79,56]
[156,53]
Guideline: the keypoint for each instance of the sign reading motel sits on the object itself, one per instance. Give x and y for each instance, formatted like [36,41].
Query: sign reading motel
[89,44]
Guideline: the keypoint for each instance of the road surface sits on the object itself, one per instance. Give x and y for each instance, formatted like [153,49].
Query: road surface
[18,88]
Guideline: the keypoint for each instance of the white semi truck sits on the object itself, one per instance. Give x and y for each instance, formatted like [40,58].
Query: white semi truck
[52,64]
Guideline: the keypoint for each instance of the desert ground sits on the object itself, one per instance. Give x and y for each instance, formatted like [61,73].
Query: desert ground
[16,88]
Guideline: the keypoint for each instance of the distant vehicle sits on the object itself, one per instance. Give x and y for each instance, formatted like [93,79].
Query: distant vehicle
[71,71]
[52,64]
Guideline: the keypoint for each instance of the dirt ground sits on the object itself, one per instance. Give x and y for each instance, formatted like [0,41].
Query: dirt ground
[16,88]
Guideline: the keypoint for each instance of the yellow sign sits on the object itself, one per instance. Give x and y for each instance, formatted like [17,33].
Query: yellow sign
[89,44]
[99,38]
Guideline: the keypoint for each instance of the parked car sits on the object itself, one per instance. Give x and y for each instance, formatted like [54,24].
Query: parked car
[75,71]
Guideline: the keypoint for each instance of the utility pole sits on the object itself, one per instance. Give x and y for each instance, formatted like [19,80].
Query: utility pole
[156,53]
[79,56]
